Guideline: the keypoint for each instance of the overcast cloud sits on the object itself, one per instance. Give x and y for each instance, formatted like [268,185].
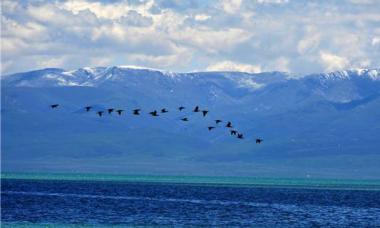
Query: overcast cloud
[258,35]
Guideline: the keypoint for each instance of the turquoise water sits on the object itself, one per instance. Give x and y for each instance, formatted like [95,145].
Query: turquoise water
[205,180]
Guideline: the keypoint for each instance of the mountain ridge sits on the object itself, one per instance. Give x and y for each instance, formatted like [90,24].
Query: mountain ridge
[318,125]
[67,78]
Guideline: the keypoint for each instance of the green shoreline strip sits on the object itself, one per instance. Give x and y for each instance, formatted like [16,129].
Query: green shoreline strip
[206,180]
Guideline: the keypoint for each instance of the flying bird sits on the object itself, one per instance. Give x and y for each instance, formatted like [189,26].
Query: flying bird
[110,110]
[136,112]
[229,124]
[119,111]
[154,113]
[240,136]
[54,105]
[164,110]
[204,112]
[196,109]
[88,108]
[185,119]
[100,113]
[258,141]
[181,108]
[210,128]
[233,132]
[218,121]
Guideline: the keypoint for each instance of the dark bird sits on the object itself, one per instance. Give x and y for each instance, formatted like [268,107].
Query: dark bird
[88,108]
[54,105]
[181,108]
[164,110]
[110,110]
[204,112]
[185,119]
[210,128]
[154,113]
[240,136]
[100,113]
[258,141]
[233,132]
[229,124]
[218,121]
[196,109]
[136,112]
[119,111]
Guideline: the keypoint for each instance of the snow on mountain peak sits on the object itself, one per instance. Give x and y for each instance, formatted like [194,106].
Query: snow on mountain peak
[133,67]
[373,74]
[95,76]
[250,83]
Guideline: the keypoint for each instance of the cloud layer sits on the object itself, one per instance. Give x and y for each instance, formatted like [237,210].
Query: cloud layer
[259,35]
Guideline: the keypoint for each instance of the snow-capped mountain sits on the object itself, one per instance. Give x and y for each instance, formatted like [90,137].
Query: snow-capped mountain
[96,76]
[324,125]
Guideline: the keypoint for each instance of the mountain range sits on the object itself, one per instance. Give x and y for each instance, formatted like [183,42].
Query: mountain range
[319,125]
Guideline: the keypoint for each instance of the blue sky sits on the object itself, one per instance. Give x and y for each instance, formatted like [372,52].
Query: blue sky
[253,36]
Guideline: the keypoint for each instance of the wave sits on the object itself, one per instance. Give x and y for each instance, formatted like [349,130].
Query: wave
[276,206]
[195,201]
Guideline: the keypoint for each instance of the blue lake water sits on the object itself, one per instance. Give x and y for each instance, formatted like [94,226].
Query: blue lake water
[73,202]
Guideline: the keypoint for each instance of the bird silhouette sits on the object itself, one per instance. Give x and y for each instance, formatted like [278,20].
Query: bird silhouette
[196,109]
[88,108]
[229,124]
[204,112]
[210,128]
[100,113]
[233,132]
[164,110]
[240,136]
[54,105]
[119,111]
[185,119]
[181,108]
[258,141]
[136,112]
[154,113]
[110,110]
[218,121]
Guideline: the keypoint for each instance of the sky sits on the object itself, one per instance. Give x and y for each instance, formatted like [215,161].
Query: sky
[295,36]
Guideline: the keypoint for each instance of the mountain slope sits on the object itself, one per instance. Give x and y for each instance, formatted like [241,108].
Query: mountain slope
[324,125]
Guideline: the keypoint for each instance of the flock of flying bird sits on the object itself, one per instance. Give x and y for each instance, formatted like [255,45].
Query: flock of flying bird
[155,113]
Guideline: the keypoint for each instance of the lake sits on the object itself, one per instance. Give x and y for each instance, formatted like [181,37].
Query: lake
[186,201]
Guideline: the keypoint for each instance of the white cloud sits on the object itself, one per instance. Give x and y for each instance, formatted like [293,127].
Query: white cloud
[5,65]
[272,1]
[375,41]
[296,36]
[29,30]
[333,62]
[9,6]
[100,61]
[210,40]
[201,17]
[104,10]
[180,58]
[47,62]
[231,6]
[365,2]
[232,66]
[280,64]
[49,13]
[133,18]
[309,42]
